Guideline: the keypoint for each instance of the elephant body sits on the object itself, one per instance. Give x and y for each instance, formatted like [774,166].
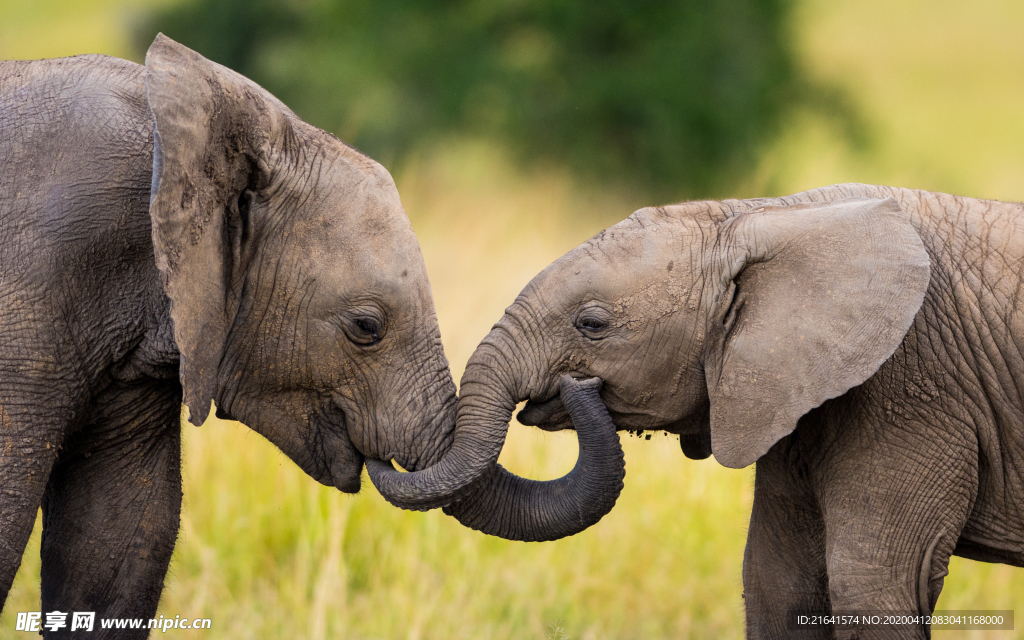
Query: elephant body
[862,505]
[862,344]
[89,392]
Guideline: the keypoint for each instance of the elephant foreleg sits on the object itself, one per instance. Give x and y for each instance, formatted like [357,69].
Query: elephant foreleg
[893,520]
[784,569]
[28,448]
[111,509]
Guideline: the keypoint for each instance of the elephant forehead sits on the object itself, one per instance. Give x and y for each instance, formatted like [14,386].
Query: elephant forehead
[386,265]
[655,299]
[619,261]
[347,199]
[366,256]
[646,240]
[361,229]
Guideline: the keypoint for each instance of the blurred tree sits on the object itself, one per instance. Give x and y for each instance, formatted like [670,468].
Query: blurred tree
[675,96]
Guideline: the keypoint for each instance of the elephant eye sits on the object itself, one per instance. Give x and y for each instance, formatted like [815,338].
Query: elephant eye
[365,330]
[592,323]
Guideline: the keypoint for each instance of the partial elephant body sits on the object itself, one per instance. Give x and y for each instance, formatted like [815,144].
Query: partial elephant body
[959,369]
[244,257]
[877,488]
[88,363]
[861,343]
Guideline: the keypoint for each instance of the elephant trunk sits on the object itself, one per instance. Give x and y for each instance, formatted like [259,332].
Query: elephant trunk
[508,506]
[480,428]
[479,492]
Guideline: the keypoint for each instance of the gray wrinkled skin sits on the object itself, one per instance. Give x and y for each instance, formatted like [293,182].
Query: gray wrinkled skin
[244,257]
[862,344]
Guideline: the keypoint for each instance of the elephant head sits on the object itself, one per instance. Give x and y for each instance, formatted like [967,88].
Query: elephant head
[299,297]
[301,306]
[722,322]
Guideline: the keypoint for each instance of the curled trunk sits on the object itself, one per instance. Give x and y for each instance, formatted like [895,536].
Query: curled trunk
[479,436]
[508,506]
[483,495]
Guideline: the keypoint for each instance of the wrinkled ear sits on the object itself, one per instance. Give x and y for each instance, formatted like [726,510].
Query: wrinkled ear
[211,131]
[816,299]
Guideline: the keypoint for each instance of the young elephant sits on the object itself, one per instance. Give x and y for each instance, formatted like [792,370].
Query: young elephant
[862,344]
[287,286]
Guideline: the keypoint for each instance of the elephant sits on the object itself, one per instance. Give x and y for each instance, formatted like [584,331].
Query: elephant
[173,234]
[861,344]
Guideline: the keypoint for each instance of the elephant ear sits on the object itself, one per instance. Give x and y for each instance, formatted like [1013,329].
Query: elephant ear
[816,299]
[212,129]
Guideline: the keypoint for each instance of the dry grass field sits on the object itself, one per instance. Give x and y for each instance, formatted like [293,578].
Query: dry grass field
[265,552]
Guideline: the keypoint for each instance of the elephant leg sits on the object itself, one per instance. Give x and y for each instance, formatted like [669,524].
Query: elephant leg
[784,562]
[111,509]
[28,447]
[895,509]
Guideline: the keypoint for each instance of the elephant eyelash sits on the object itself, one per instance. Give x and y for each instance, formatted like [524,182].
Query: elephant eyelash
[591,326]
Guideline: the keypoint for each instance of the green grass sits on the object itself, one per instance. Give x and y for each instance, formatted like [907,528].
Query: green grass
[267,553]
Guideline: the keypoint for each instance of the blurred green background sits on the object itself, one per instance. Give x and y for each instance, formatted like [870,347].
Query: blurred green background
[515,130]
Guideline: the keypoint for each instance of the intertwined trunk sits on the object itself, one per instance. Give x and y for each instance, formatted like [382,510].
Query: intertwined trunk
[484,496]
[508,506]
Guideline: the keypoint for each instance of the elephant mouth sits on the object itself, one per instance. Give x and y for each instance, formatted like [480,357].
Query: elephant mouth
[358,447]
[346,476]
[337,454]
[549,415]
[314,435]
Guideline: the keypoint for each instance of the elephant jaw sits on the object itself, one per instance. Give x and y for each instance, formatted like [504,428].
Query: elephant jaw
[321,447]
[342,463]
